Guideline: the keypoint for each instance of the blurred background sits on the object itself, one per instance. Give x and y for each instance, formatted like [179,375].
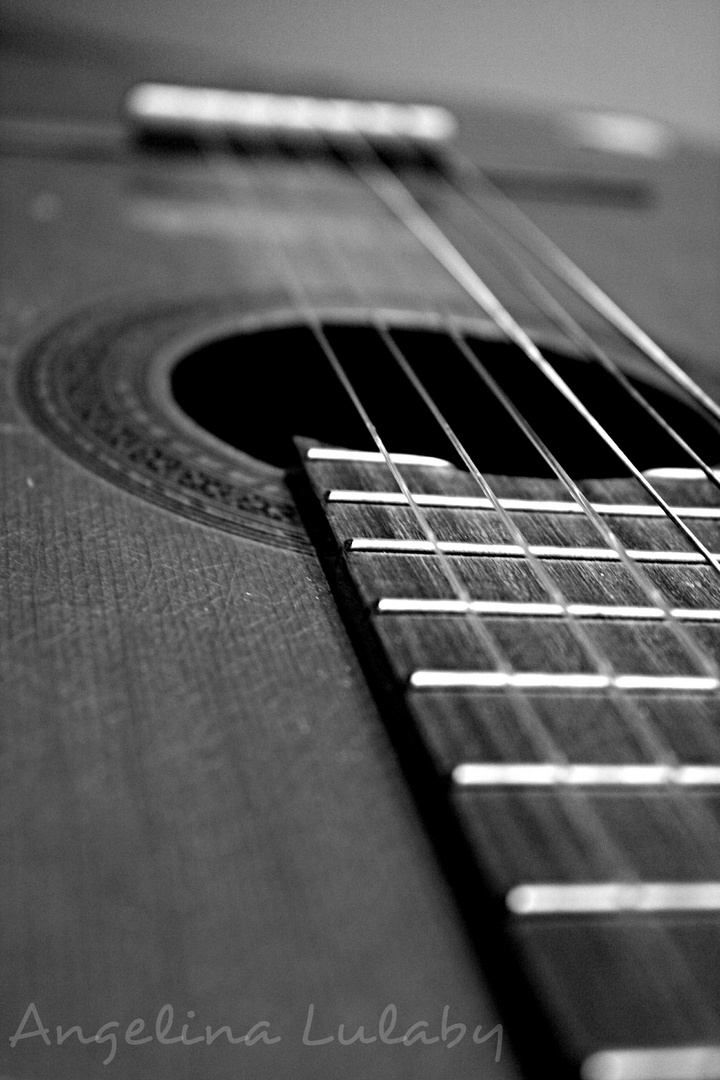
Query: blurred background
[656,58]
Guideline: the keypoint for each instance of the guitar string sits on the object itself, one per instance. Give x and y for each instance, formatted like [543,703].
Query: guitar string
[712,743]
[610,854]
[580,813]
[534,729]
[691,647]
[375,318]
[532,238]
[313,321]
[640,719]
[546,303]
[592,826]
[685,638]
[398,199]
[592,823]
[700,814]
[637,716]
[679,960]
[571,806]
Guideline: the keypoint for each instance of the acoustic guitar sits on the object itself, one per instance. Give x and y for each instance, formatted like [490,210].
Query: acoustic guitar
[360,553]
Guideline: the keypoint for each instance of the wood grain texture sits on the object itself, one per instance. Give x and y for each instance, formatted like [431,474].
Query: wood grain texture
[201,807]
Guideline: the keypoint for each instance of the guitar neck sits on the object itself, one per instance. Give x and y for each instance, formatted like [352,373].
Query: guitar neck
[565,753]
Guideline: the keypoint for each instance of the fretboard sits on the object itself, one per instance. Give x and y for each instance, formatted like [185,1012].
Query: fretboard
[555,702]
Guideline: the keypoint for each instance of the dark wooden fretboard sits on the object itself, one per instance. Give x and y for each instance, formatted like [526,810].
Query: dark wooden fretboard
[574,744]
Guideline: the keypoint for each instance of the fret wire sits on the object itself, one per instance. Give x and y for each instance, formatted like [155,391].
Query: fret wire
[402,204]
[514,551]
[563,267]
[514,774]
[693,1062]
[536,608]
[613,896]
[539,506]
[575,333]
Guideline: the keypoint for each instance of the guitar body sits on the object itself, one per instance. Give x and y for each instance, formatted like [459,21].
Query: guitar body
[202,808]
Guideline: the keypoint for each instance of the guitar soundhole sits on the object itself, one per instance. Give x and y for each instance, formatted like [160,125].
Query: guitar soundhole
[257,390]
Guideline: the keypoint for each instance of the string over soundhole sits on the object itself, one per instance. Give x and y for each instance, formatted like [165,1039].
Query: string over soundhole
[294,392]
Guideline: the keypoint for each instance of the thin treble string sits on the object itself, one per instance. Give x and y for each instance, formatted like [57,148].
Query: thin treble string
[393,193]
[637,716]
[562,266]
[551,307]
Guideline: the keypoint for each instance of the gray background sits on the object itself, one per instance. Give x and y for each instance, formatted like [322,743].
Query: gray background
[658,58]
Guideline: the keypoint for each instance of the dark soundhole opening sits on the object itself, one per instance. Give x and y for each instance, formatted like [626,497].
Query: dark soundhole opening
[256,391]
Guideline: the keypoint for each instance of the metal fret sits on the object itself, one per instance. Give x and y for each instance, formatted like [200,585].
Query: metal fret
[538,506]
[613,897]
[542,551]
[334,453]
[549,774]
[536,610]
[655,1063]
[541,680]
[679,473]
[460,607]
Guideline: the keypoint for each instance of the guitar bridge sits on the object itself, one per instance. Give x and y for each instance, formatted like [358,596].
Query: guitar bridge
[163,113]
